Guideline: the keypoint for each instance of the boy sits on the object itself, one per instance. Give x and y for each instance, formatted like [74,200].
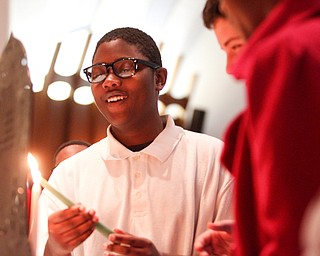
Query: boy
[157,184]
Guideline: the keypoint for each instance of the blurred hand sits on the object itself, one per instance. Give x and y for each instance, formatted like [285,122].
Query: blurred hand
[69,228]
[124,243]
[217,240]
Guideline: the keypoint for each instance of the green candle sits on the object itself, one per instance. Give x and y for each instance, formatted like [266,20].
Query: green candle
[99,226]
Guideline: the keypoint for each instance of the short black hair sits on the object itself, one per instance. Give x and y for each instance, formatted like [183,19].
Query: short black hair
[133,36]
[68,143]
[211,12]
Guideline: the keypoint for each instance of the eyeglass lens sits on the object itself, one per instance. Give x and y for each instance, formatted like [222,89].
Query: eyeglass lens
[121,68]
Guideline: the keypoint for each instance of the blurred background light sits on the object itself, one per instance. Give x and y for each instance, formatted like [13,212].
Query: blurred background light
[59,90]
[83,95]
[71,52]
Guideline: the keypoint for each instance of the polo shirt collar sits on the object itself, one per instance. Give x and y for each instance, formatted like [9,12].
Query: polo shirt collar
[161,148]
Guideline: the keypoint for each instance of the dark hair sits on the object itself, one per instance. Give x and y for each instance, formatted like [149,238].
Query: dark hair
[68,143]
[144,43]
[211,12]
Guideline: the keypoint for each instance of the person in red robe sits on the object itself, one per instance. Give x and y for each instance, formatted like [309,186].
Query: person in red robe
[273,147]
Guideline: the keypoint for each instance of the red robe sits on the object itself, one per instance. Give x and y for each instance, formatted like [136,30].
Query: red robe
[273,147]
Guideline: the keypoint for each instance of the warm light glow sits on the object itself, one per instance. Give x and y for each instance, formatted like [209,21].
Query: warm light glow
[161,107]
[175,110]
[34,168]
[83,95]
[71,50]
[38,83]
[59,91]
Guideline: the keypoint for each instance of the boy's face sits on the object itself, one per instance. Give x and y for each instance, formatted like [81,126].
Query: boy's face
[125,102]
[230,40]
[240,13]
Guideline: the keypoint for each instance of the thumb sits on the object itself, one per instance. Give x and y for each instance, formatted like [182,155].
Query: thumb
[225,225]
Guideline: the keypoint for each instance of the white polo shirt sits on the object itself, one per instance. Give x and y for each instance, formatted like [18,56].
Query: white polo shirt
[167,192]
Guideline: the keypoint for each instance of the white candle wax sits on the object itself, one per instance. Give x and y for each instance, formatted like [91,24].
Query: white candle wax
[35,194]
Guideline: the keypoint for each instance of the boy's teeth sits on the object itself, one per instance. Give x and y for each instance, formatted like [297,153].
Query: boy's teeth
[116,98]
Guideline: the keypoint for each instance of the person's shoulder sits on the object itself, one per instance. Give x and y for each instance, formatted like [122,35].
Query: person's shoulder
[203,138]
[81,160]
[201,135]
[299,38]
[89,152]
[99,143]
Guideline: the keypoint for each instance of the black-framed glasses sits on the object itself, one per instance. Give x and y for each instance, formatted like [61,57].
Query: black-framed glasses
[123,68]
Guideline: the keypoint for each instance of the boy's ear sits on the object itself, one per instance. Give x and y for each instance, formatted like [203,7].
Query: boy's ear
[161,78]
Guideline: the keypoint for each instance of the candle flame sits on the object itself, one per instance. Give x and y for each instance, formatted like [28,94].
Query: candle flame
[34,168]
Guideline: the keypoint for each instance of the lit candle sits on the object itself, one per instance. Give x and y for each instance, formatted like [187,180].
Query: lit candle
[33,210]
[99,226]
[28,204]
[35,191]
